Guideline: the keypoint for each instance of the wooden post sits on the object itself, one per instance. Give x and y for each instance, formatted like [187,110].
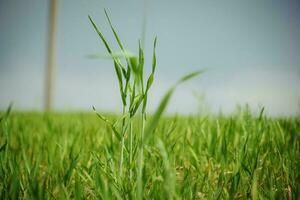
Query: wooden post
[51,54]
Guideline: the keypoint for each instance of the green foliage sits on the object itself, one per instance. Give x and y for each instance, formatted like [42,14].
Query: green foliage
[129,156]
[69,156]
[138,96]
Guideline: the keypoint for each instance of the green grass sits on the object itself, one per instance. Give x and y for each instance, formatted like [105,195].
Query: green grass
[67,156]
[133,155]
[134,90]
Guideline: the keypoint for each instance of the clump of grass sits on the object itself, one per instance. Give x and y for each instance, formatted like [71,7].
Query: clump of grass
[134,91]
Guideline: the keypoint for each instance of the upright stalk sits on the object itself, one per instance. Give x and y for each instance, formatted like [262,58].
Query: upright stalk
[141,160]
[122,144]
[142,129]
[130,149]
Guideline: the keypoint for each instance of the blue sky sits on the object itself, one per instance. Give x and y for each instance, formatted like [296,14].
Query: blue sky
[250,50]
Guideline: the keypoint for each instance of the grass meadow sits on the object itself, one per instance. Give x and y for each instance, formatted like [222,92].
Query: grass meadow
[77,156]
[137,155]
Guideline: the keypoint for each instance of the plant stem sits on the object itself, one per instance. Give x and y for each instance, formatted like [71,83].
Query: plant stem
[130,151]
[141,160]
[122,144]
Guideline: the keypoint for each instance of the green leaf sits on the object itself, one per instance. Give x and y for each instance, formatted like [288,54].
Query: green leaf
[128,58]
[137,102]
[190,76]
[158,113]
[101,35]
[132,94]
[134,65]
[120,80]
[8,111]
[74,161]
[141,63]
[114,31]
[145,103]
[154,56]
[261,113]
[118,135]
[151,126]
[118,66]
[149,82]
[151,77]
[127,81]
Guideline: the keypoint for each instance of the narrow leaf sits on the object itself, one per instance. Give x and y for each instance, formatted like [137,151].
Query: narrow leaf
[101,35]
[149,82]
[141,63]
[118,135]
[8,111]
[120,80]
[154,56]
[163,104]
[114,31]
[118,39]
[158,113]
[190,76]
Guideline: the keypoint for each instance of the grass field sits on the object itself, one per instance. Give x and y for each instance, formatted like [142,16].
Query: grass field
[76,156]
[134,155]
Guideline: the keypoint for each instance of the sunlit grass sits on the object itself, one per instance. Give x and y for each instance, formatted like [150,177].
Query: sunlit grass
[135,155]
[76,156]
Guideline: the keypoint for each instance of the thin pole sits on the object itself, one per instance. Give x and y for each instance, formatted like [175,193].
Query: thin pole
[51,54]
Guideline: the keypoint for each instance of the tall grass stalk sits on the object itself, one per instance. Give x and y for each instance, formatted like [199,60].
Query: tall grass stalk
[130,150]
[122,143]
[136,92]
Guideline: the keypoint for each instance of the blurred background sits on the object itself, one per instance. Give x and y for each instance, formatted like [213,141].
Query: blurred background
[250,50]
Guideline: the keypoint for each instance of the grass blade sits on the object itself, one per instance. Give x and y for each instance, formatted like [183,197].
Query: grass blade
[114,31]
[154,56]
[118,135]
[101,35]
[164,102]
[158,113]
[8,111]
[190,76]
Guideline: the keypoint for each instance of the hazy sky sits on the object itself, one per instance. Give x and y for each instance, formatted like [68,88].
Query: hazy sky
[251,50]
